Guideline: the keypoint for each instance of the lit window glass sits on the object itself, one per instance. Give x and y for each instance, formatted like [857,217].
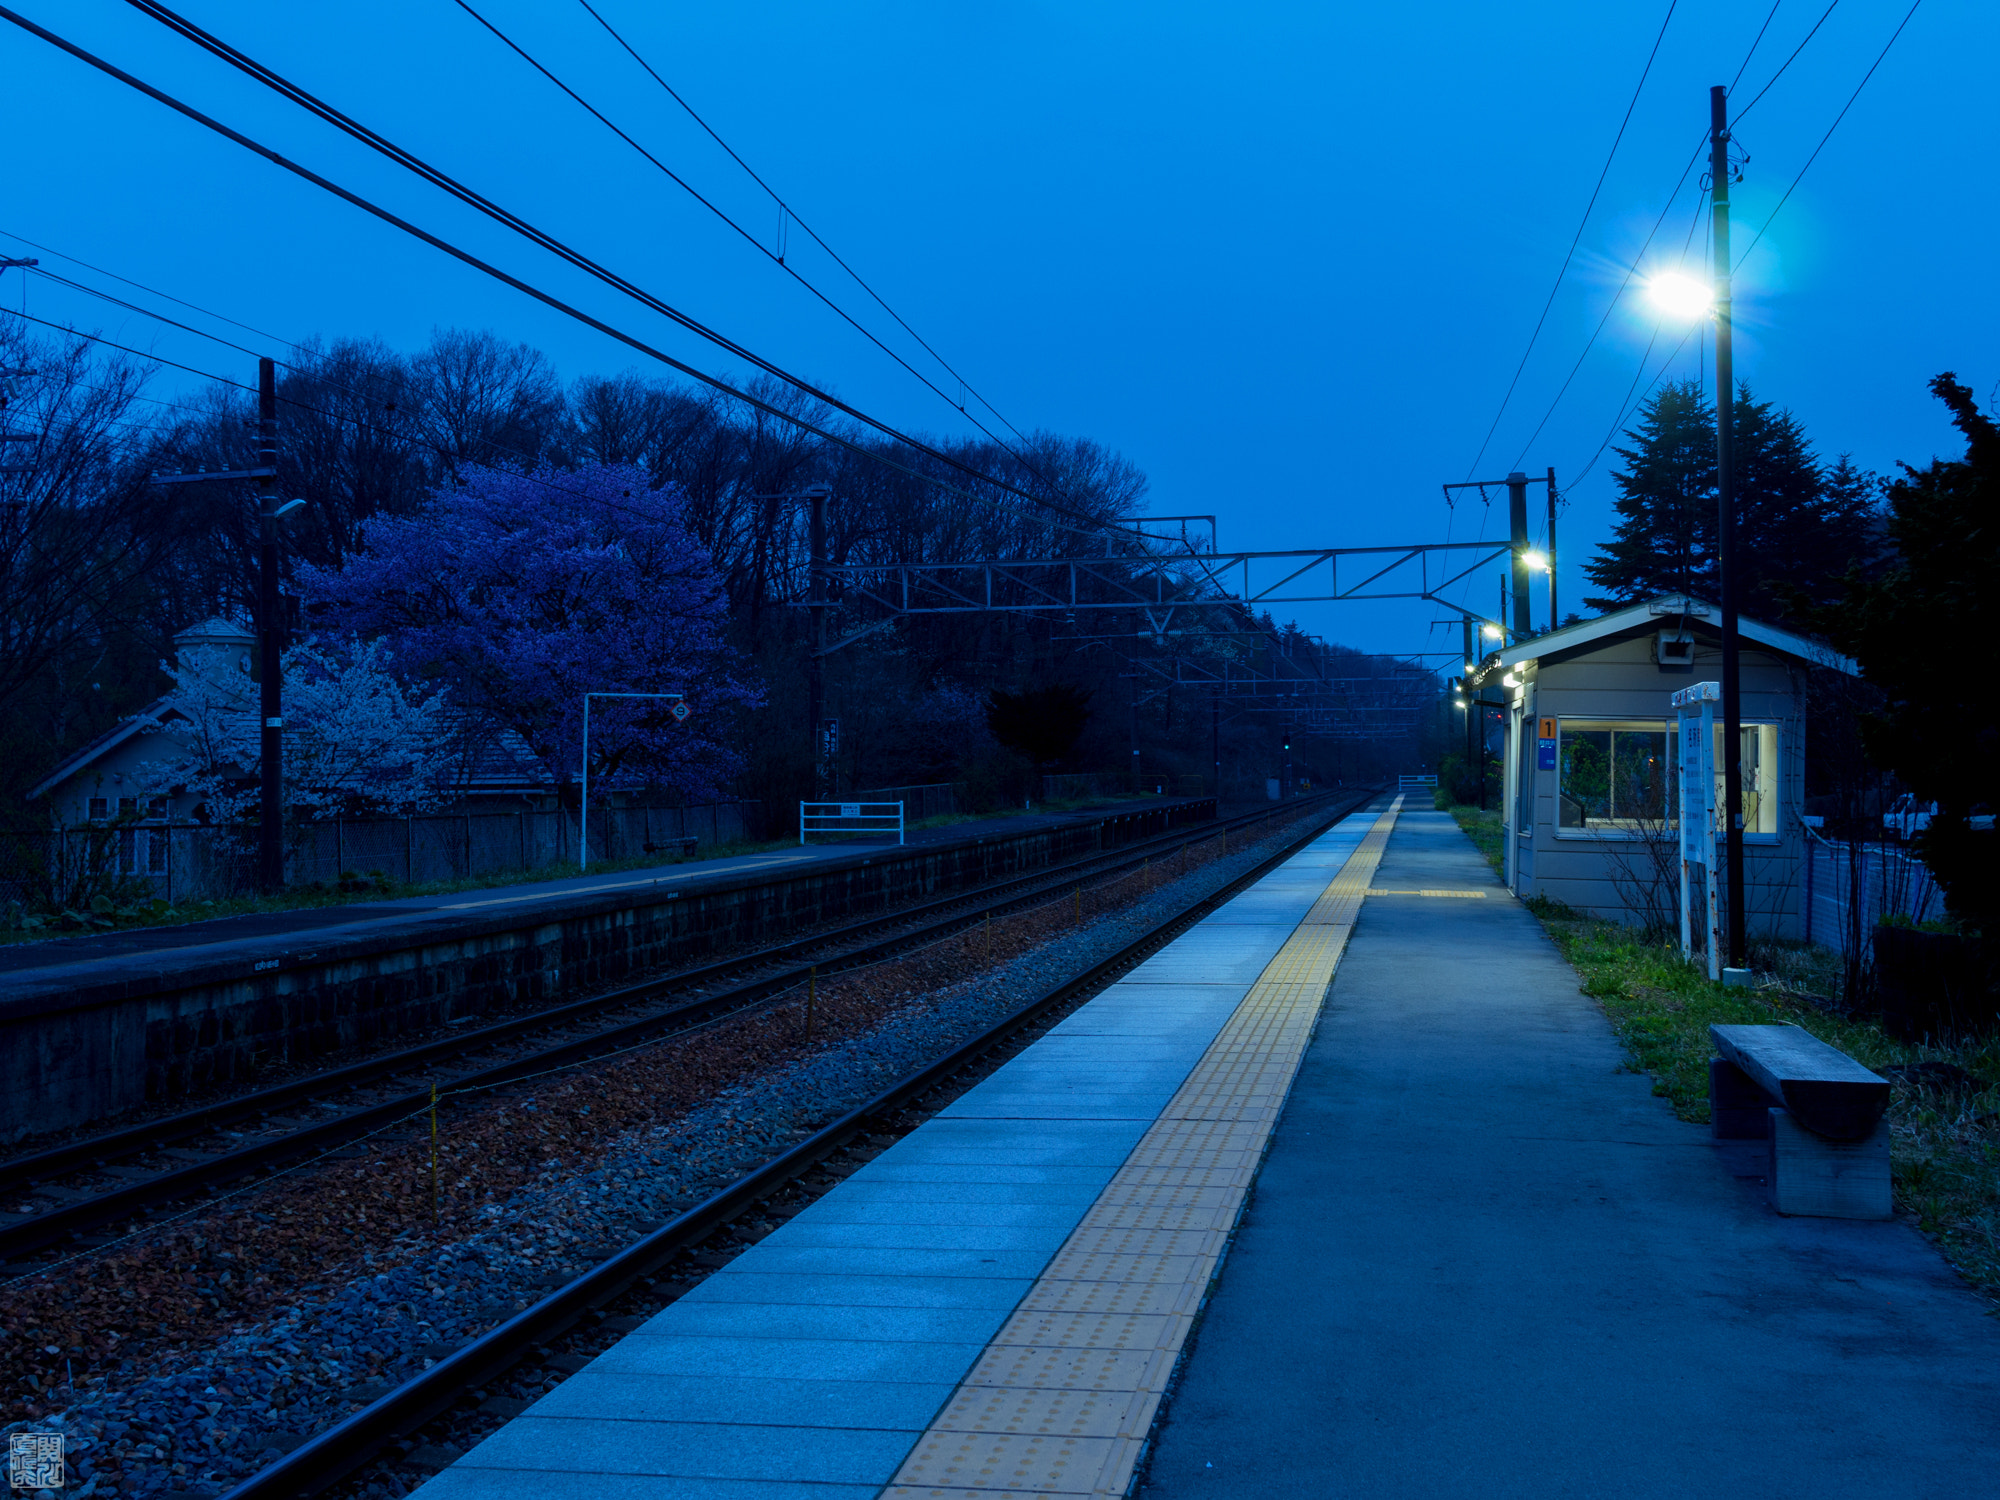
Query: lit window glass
[1611,775]
[1761,770]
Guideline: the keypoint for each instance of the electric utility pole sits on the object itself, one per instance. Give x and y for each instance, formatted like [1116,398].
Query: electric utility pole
[270,627]
[1725,524]
[816,496]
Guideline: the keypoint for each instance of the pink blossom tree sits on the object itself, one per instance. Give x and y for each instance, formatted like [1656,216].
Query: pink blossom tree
[520,592]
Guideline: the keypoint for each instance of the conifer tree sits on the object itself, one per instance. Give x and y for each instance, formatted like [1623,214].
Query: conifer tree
[1799,528]
[1664,542]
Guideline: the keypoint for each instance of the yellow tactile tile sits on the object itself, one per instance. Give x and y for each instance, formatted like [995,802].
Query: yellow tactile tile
[1007,1460]
[1001,1408]
[1175,1216]
[1074,1330]
[1059,1405]
[1040,1366]
[1058,1295]
[1160,1270]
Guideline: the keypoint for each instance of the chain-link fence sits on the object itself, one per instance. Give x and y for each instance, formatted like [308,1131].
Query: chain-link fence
[1851,886]
[185,862]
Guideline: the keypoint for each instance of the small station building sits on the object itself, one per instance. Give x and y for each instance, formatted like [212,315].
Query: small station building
[1590,808]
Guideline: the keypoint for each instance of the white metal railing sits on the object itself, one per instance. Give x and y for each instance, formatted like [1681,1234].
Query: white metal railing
[850,817]
[1412,783]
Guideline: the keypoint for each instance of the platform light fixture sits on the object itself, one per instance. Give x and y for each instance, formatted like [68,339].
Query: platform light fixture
[1491,632]
[1680,295]
[1539,561]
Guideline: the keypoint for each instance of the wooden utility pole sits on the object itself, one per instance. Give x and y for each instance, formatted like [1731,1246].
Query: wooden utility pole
[271,511]
[1725,525]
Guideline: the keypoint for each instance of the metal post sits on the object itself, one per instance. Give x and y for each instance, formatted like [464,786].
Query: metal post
[583,795]
[1471,705]
[1517,523]
[271,643]
[816,497]
[1554,618]
[1215,740]
[1725,527]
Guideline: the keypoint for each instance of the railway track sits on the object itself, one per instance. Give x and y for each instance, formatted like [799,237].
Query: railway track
[113,1183]
[375,1431]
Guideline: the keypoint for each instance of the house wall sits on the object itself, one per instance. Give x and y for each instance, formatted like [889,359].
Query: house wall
[84,1041]
[1622,680]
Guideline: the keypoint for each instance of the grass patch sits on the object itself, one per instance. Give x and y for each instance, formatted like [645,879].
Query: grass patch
[1944,1116]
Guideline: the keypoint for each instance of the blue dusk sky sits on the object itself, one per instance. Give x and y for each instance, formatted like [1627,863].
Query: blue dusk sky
[1284,258]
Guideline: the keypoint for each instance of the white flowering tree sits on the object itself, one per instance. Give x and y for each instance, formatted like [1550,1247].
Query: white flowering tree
[356,738]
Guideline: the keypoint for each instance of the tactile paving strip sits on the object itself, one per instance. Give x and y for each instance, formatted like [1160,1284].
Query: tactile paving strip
[1060,1403]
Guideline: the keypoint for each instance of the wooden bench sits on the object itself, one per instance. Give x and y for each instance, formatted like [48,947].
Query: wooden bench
[1819,1109]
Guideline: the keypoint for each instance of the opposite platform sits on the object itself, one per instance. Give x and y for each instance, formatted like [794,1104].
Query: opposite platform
[993,1282]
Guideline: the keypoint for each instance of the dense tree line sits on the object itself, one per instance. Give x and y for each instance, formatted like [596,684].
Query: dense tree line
[102,566]
[1801,523]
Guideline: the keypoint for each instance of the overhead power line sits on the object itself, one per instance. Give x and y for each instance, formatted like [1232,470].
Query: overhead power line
[310,102]
[792,215]
[776,257]
[1575,239]
[1800,175]
[1087,523]
[1783,65]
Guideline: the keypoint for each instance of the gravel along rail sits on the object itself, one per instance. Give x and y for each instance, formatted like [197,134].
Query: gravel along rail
[368,1317]
[111,1182]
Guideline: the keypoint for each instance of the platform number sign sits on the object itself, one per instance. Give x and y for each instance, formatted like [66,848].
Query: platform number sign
[1545,746]
[35,1460]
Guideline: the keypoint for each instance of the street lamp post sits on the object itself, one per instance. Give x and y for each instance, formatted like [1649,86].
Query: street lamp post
[1725,526]
[680,711]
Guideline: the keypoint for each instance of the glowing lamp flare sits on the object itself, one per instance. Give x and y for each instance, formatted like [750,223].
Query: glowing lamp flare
[1683,296]
[1539,561]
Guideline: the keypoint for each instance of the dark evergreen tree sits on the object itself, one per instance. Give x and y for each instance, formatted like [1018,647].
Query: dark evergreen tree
[1665,537]
[1939,731]
[1799,528]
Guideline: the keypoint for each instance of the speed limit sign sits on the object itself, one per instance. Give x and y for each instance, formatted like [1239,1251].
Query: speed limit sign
[681,711]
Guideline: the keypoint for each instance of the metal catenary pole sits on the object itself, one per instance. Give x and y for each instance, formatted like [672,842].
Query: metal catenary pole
[1554,618]
[816,497]
[270,642]
[1517,526]
[1725,527]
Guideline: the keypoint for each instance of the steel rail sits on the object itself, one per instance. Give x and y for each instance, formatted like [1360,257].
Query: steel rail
[359,1439]
[910,927]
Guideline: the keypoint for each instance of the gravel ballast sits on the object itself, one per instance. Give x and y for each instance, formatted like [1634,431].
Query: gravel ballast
[176,1364]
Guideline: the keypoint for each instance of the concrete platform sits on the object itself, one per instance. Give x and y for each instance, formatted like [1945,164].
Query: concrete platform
[819,1359]
[1484,1261]
[1481,1260]
[687,874]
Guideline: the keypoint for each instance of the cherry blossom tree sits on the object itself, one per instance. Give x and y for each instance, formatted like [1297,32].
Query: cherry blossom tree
[356,738]
[520,592]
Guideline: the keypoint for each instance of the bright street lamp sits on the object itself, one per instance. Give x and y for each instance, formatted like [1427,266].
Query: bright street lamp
[1491,632]
[1680,295]
[1539,561]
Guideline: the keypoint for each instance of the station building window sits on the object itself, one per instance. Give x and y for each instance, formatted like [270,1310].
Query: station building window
[1612,775]
[1617,776]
